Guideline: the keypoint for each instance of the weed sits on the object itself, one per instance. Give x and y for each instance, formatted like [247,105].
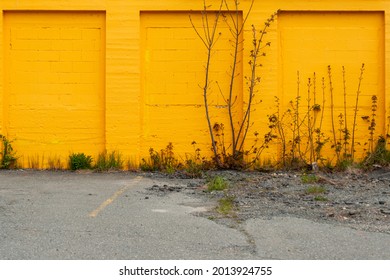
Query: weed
[320,198]
[358,91]
[80,161]
[195,164]
[193,169]
[54,163]
[309,178]
[371,128]
[36,161]
[265,165]
[217,183]
[344,164]
[380,155]
[7,153]
[315,190]
[164,160]
[226,205]
[131,164]
[335,144]
[232,155]
[109,161]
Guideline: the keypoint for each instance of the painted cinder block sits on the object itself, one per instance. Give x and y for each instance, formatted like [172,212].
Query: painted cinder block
[129,71]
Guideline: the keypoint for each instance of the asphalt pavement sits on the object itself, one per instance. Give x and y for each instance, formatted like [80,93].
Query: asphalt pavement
[66,215]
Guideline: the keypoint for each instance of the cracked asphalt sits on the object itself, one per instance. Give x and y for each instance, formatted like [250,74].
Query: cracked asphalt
[67,215]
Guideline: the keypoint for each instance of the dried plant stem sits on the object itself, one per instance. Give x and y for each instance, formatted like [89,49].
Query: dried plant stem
[332,114]
[355,112]
[254,80]
[296,138]
[319,129]
[310,146]
[209,39]
[346,131]
[236,29]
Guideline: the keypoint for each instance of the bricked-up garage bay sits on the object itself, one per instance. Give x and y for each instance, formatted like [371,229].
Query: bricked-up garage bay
[55,81]
[94,75]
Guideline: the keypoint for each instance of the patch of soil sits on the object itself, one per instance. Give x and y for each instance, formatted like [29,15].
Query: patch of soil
[353,198]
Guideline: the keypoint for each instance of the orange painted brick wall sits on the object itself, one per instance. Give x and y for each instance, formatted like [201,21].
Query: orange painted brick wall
[134,84]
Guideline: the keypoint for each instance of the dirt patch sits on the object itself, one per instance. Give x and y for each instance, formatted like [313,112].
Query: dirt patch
[355,199]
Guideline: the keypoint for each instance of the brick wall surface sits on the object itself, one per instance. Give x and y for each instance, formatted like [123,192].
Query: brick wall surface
[87,75]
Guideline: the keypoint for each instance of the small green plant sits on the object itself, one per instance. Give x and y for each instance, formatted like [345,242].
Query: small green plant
[193,169]
[343,164]
[109,161]
[195,163]
[320,198]
[80,161]
[309,178]
[226,205]
[7,153]
[315,190]
[217,183]
[380,155]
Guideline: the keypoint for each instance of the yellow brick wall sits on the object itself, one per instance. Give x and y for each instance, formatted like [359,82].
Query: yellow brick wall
[133,106]
[54,83]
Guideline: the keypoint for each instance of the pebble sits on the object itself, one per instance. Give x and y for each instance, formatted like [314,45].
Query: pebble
[363,202]
[348,202]
[385,211]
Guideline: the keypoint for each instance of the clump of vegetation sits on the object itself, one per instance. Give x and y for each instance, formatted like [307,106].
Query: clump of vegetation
[217,183]
[195,164]
[226,205]
[7,153]
[193,169]
[315,190]
[109,161]
[320,198]
[54,163]
[300,132]
[164,160]
[36,161]
[132,165]
[309,178]
[80,161]
[379,156]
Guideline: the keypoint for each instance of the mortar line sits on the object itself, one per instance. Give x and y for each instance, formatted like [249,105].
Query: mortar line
[110,200]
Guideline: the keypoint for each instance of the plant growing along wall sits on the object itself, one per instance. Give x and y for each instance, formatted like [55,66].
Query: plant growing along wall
[7,153]
[300,131]
[230,154]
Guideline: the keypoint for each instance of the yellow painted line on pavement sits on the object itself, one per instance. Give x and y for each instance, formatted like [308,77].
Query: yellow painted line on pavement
[118,193]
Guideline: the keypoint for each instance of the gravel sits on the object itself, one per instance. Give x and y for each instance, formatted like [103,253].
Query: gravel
[355,199]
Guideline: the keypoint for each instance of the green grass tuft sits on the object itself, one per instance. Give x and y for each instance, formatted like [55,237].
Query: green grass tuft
[217,183]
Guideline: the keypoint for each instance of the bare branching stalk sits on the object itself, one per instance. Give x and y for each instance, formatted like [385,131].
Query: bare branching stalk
[254,80]
[236,29]
[296,130]
[332,115]
[320,142]
[209,39]
[310,145]
[346,131]
[235,23]
[355,112]
[372,127]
